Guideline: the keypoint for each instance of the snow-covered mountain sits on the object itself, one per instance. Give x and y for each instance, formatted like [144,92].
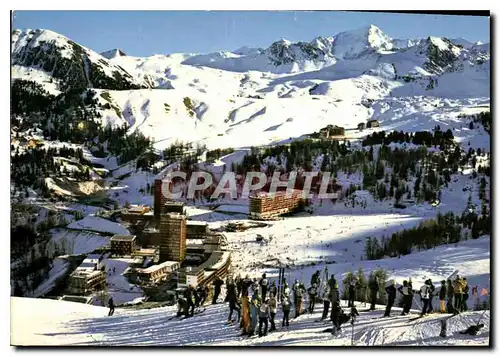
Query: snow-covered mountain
[286,90]
[68,63]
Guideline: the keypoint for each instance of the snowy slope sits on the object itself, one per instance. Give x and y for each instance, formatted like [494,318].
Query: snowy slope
[94,223]
[262,96]
[83,325]
[59,57]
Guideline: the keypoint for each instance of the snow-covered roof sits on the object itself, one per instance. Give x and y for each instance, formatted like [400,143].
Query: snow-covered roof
[85,273]
[123,238]
[154,268]
[222,260]
[193,222]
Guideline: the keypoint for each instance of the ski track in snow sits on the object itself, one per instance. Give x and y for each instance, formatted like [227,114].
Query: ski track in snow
[83,325]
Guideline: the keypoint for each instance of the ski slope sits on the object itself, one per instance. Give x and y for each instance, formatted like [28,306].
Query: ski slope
[60,323]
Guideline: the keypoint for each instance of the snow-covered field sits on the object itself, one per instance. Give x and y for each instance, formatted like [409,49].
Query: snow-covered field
[78,242]
[118,286]
[67,323]
[94,223]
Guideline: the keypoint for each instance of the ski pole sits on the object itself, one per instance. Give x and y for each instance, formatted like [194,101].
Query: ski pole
[416,302]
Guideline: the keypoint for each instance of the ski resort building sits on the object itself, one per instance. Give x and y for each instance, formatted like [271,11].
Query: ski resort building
[372,123]
[123,245]
[172,237]
[82,281]
[196,229]
[332,132]
[137,213]
[361,126]
[158,273]
[150,236]
[94,262]
[217,265]
[265,205]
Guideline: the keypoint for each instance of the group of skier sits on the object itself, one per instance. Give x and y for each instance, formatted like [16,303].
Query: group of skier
[255,302]
[193,298]
[261,306]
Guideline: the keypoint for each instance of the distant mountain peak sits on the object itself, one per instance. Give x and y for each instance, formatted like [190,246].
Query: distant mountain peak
[348,44]
[113,53]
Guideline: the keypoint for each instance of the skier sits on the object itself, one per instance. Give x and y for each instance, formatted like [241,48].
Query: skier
[313,292]
[406,291]
[245,315]
[273,307]
[111,306]
[182,306]
[351,293]
[286,304]
[458,287]
[430,309]
[450,293]
[391,297]
[263,285]
[298,292]
[332,281]
[232,298]
[315,278]
[229,281]
[442,296]
[238,281]
[326,301]
[217,285]
[245,284]
[263,317]
[255,288]
[188,294]
[465,295]
[335,314]
[295,287]
[373,285]
[334,296]
[272,289]
[425,295]
[254,313]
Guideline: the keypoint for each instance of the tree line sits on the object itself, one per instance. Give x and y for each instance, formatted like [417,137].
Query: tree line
[428,234]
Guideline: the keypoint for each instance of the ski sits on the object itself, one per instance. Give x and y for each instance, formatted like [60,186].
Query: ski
[391,316]
[418,317]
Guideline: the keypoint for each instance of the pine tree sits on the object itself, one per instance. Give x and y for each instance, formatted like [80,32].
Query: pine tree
[369,248]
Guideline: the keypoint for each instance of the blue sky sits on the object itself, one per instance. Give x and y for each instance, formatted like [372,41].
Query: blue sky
[144,33]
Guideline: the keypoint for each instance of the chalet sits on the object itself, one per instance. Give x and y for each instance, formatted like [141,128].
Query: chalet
[361,126]
[324,133]
[337,131]
[372,123]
